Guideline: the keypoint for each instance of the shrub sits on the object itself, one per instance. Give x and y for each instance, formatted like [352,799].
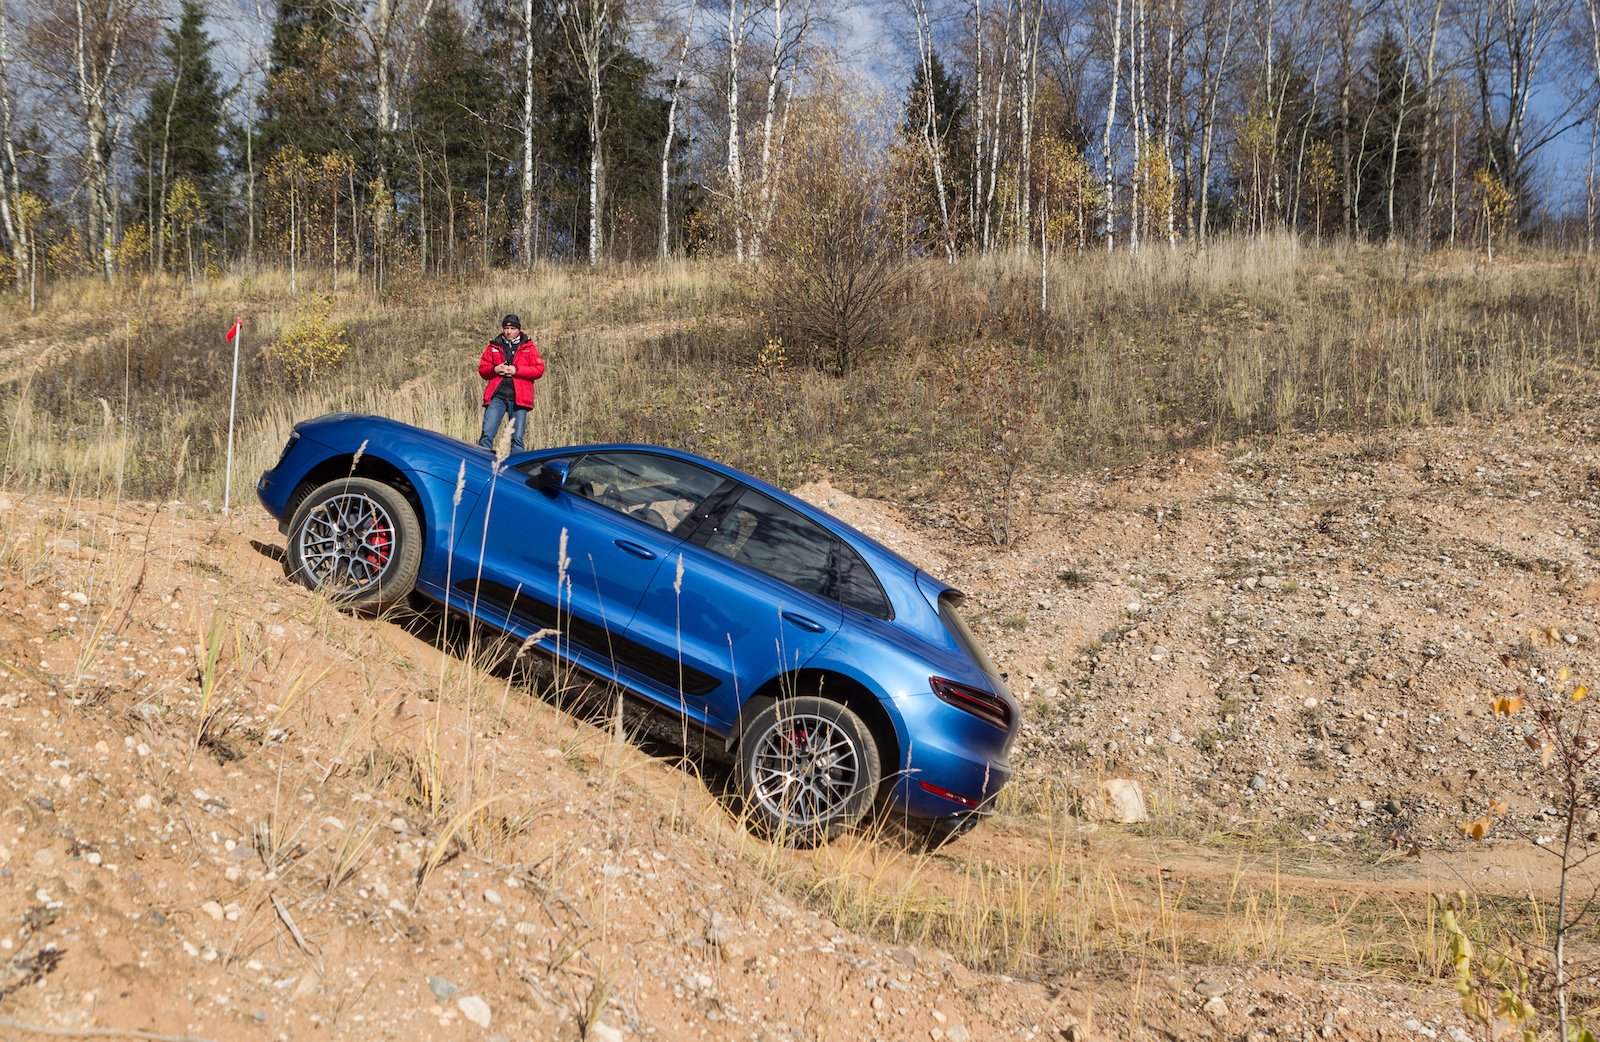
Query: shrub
[313,345]
[831,271]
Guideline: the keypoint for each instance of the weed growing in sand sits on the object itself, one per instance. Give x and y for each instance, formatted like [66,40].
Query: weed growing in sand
[1537,972]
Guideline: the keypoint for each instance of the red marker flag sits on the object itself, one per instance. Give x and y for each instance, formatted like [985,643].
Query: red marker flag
[237,322]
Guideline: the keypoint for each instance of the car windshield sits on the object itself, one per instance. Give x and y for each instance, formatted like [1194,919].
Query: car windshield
[658,490]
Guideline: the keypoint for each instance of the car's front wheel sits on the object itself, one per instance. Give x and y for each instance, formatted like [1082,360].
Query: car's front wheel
[808,768]
[358,541]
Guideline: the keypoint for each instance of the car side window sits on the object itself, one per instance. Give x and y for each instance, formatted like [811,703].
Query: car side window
[856,586]
[658,490]
[762,533]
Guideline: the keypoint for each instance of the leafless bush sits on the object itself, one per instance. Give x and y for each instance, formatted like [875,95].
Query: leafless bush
[832,278]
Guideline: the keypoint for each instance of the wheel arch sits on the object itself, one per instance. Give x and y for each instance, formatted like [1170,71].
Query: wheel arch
[360,465]
[834,686]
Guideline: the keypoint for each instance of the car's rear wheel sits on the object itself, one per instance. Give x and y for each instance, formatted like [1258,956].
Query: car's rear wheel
[808,768]
[357,540]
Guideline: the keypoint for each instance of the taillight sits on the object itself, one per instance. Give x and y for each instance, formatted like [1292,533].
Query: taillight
[980,703]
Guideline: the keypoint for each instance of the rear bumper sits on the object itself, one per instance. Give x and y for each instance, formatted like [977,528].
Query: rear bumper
[937,782]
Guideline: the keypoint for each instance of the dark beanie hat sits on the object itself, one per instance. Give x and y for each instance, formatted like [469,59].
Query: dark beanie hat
[511,320]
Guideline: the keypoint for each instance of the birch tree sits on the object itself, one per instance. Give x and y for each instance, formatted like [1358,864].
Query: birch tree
[1592,192]
[11,215]
[392,30]
[931,133]
[588,26]
[665,244]
[1111,121]
[98,51]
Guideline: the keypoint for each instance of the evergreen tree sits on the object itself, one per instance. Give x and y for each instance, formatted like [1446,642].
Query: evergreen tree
[314,97]
[952,134]
[180,135]
[1394,101]
[458,150]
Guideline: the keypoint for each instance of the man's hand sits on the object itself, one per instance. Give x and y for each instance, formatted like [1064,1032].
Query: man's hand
[506,370]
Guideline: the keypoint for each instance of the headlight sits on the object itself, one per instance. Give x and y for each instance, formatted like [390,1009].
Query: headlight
[294,436]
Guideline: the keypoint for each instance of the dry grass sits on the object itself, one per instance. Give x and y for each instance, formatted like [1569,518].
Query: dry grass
[1137,354]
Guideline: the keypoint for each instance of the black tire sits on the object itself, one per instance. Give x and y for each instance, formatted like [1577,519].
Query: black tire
[808,769]
[358,541]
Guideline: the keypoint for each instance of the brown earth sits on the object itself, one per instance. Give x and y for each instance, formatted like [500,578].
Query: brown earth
[217,796]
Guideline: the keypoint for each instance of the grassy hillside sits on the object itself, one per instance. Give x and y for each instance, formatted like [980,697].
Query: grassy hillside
[124,389]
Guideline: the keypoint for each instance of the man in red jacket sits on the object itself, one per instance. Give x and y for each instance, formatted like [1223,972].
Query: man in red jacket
[510,364]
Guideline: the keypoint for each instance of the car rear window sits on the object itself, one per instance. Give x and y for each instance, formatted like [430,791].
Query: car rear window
[956,626]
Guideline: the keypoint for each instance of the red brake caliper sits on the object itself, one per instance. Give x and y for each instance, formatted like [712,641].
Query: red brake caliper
[380,540]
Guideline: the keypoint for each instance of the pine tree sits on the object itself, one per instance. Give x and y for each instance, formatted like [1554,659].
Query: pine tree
[952,134]
[180,136]
[459,160]
[314,97]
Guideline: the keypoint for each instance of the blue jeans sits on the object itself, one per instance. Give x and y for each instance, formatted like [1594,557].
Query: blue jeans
[494,413]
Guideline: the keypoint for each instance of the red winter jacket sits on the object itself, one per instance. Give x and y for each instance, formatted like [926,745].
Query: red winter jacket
[529,368]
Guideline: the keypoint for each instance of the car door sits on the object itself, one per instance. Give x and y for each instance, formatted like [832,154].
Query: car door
[576,557]
[741,601]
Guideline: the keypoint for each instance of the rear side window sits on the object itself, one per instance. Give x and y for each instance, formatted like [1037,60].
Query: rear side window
[856,586]
[658,490]
[762,533]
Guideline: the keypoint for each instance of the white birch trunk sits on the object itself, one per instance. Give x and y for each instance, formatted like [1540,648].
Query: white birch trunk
[738,22]
[15,221]
[1111,120]
[932,138]
[665,244]
[768,114]
[527,135]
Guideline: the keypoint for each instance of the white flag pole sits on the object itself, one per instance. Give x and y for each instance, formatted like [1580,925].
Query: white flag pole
[233,402]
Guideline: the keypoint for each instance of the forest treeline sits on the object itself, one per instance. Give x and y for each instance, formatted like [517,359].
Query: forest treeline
[447,136]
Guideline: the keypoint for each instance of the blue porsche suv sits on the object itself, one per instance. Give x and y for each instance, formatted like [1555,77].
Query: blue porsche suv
[835,674]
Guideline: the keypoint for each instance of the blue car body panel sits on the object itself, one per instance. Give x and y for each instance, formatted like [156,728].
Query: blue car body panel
[689,630]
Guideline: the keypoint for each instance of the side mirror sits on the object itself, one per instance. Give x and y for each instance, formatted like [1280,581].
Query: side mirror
[551,476]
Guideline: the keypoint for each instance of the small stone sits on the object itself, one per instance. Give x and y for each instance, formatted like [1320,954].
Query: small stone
[1211,988]
[442,989]
[307,986]
[600,1031]
[474,1009]
[1258,783]
[1412,1025]
[213,909]
[492,896]
[939,1016]
[145,802]
[957,1033]
[242,852]
[1215,1007]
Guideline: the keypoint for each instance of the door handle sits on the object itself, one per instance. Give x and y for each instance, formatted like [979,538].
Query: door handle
[636,550]
[804,623]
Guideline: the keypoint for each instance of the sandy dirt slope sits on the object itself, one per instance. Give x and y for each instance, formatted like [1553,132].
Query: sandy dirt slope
[217,796]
